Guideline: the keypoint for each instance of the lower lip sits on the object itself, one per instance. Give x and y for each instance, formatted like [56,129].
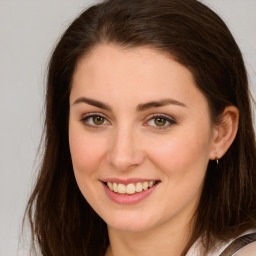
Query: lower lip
[128,199]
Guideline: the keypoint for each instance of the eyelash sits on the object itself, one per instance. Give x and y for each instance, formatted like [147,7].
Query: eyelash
[169,121]
[87,117]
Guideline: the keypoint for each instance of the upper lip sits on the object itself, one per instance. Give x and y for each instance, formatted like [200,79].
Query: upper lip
[127,181]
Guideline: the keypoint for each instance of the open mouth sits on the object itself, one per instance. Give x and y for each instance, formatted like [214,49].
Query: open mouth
[131,188]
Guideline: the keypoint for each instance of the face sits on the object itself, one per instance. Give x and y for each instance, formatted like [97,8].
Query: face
[140,137]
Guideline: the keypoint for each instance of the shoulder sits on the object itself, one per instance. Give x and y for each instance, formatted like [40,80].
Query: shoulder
[244,245]
[247,250]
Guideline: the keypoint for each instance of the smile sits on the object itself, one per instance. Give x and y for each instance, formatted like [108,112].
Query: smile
[129,191]
[130,188]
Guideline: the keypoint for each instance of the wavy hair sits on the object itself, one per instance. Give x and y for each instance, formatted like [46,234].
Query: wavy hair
[62,222]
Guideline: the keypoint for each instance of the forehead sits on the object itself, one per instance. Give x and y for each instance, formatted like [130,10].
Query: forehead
[143,73]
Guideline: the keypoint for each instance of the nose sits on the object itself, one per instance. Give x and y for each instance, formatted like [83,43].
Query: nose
[125,150]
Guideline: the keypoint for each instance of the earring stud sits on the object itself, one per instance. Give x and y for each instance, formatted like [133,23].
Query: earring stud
[217,159]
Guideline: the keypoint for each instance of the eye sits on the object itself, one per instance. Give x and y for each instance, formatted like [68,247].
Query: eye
[94,120]
[160,121]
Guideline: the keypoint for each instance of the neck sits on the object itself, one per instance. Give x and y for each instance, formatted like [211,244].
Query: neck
[162,240]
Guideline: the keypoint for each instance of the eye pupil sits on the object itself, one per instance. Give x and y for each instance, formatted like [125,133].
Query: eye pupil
[159,121]
[98,120]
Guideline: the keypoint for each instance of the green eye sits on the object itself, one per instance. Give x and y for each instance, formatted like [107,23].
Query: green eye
[159,121]
[98,120]
[94,120]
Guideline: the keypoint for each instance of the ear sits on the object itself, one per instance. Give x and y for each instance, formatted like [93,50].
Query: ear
[224,132]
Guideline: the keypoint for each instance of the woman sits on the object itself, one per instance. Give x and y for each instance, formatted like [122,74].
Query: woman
[149,141]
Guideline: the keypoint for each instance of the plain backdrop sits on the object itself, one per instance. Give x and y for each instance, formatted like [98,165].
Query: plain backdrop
[28,32]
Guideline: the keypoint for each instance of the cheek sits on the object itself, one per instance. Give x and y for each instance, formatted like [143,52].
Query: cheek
[86,152]
[182,153]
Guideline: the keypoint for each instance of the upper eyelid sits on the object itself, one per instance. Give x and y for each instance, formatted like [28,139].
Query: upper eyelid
[170,121]
[168,117]
[85,120]
[93,114]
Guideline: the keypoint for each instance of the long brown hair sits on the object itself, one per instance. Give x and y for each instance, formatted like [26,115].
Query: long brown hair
[62,221]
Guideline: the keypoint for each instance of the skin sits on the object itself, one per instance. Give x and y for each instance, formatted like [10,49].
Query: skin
[130,143]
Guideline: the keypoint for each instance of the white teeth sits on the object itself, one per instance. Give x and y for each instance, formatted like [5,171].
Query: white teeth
[139,187]
[121,189]
[110,185]
[130,188]
[114,187]
[145,185]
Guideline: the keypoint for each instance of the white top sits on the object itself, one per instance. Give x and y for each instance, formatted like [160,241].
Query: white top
[249,250]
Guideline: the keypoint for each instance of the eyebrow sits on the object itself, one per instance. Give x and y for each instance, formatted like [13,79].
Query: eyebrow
[160,103]
[92,102]
[139,108]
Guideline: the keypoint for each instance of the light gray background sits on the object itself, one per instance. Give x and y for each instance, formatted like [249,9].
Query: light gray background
[28,31]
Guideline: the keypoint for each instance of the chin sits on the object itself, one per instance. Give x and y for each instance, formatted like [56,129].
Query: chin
[130,222]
